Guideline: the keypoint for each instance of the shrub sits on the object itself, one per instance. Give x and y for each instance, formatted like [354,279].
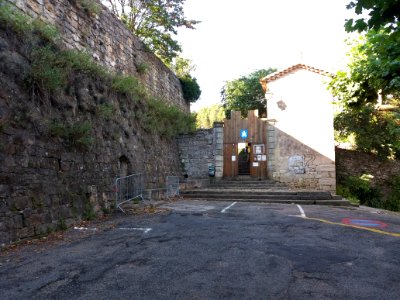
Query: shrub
[373,131]
[344,191]
[48,71]
[62,225]
[142,68]
[359,188]
[129,86]
[51,67]
[167,120]
[393,201]
[90,6]
[83,62]
[88,213]
[190,87]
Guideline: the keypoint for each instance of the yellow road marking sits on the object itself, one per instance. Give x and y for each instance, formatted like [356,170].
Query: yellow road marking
[355,226]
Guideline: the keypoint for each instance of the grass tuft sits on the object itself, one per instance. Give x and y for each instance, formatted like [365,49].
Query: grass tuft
[92,7]
[77,135]
[142,68]
[25,26]
[48,71]
[106,111]
[10,16]
[129,86]
[83,63]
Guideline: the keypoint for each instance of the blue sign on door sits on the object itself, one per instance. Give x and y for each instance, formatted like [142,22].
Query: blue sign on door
[244,133]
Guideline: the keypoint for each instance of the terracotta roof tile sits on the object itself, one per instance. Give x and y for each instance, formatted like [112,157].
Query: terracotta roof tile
[276,75]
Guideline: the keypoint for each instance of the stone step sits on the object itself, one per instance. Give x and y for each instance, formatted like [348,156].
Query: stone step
[212,191]
[244,182]
[246,187]
[265,191]
[271,196]
[281,201]
[238,191]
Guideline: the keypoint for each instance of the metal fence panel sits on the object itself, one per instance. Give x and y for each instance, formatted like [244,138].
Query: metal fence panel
[172,183]
[128,188]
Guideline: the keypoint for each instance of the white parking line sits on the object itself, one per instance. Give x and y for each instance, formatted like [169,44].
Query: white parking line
[228,207]
[145,230]
[303,215]
[85,228]
[189,207]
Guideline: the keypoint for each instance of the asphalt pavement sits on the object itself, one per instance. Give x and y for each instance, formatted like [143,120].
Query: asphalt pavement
[215,250]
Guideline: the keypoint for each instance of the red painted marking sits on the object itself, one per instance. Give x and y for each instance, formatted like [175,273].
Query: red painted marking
[364,223]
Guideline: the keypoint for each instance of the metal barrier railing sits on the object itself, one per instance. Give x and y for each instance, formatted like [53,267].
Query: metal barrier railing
[172,183]
[128,188]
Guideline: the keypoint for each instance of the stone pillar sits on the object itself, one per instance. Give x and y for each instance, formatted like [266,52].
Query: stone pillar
[271,147]
[218,148]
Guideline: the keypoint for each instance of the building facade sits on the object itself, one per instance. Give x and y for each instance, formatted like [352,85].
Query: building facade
[293,145]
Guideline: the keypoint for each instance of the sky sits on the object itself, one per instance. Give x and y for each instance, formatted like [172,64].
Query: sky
[237,37]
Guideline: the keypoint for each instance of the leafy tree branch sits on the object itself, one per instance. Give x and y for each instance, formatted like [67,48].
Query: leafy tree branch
[245,93]
[155,22]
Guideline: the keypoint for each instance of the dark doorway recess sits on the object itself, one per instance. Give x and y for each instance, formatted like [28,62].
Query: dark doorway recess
[244,158]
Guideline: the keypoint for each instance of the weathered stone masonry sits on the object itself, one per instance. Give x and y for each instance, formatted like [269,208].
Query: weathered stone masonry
[44,184]
[200,150]
[109,42]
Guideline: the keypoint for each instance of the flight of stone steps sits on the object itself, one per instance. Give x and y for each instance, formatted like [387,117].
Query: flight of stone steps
[269,191]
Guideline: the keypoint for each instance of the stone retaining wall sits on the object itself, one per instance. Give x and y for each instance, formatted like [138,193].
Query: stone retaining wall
[109,42]
[355,163]
[49,178]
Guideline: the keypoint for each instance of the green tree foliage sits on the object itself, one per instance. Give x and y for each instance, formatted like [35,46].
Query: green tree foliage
[382,13]
[375,64]
[373,72]
[206,116]
[374,68]
[245,93]
[183,68]
[374,131]
[155,22]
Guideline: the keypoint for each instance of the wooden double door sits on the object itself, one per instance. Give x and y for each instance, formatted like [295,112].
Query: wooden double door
[245,145]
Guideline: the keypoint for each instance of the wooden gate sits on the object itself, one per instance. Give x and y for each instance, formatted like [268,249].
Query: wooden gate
[253,132]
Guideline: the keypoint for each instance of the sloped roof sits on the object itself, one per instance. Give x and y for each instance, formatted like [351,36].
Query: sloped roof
[277,75]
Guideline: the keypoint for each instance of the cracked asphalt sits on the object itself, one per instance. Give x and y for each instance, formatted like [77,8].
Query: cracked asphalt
[192,250]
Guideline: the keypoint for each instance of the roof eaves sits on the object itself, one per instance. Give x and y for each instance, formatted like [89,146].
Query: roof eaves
[276,75]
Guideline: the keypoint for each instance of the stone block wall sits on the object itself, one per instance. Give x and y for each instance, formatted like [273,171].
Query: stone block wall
[196,153]
[200,150]
[218,151]
[49,180]
[110,44]
[271,144]
[297,165]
